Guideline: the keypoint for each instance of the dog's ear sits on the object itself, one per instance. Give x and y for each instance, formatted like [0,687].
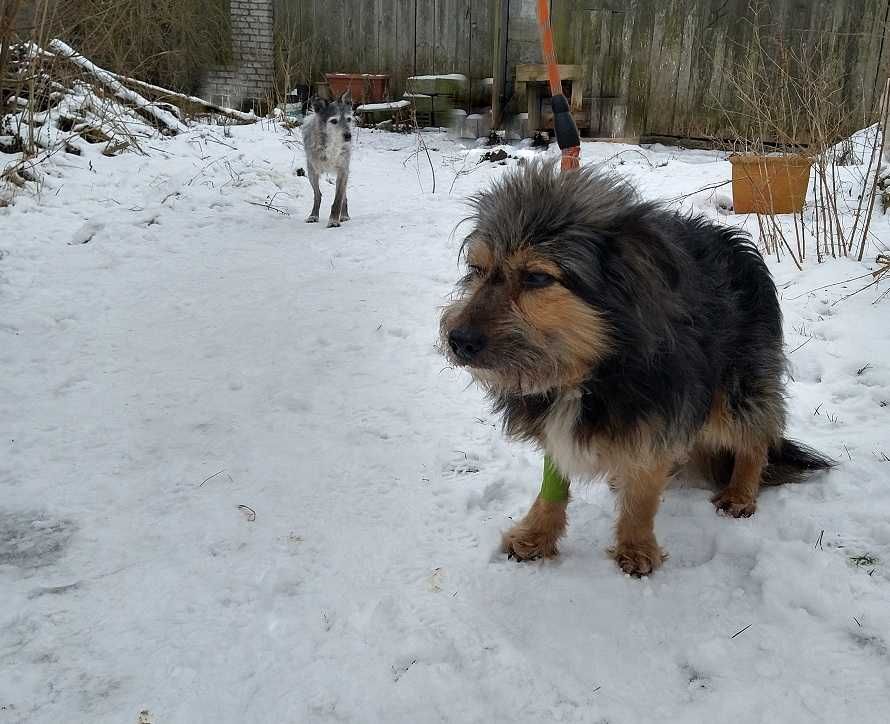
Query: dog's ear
[318,103]
[347,97]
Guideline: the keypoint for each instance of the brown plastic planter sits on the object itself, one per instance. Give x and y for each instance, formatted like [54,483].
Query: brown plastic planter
[377,86]
[365,87]
[769,184]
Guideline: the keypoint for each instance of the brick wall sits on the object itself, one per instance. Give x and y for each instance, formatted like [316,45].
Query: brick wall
[248,81]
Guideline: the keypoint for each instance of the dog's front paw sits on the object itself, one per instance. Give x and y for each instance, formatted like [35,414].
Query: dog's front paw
[734,504]
[638,558]
[538,534]
[333,223]
[525,544]
[312,219]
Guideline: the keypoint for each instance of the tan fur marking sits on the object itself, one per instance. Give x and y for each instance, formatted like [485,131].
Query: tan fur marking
[576,333]
[479,254]
[719,429]
[537,536]
[739,498]
[723,431]
[749,447]
[636,550]
[537,264]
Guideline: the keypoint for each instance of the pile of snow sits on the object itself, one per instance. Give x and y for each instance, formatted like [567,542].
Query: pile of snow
[392,106]
[60,111]
[239,484]
[75,118]
[66,103]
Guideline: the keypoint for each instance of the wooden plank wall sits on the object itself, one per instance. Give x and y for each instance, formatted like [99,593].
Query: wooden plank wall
[666,67]
[398,37]
[655,67]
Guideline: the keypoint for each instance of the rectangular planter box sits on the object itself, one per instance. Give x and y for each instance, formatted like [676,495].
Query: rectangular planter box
[769,184]
[453,84]
[431,110]
[374,113]
[365,87]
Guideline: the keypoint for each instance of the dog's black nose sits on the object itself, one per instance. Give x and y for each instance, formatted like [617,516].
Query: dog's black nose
[347,136]
[466,342]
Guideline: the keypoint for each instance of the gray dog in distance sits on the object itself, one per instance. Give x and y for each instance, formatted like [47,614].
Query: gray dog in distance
[327,138]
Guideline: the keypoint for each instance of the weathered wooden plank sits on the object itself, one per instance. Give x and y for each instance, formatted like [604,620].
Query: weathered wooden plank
[594,63]
[425,38]
[636,73]
[462,48]
[364,35]
[387,43]
[482,39]
[329,21]
[443,55]
[876,15]
[538,72]
[706,59]
[683,115]
[405,22]
[616,73]
[665,60]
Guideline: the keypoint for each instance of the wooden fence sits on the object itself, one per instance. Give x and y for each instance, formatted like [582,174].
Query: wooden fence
[398,37]
[653,66]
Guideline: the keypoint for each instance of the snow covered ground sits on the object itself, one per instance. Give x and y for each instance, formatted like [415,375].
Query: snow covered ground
[240,485]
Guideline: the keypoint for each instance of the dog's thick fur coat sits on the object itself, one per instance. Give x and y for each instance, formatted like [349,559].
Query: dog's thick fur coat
[626,340]
[327,140]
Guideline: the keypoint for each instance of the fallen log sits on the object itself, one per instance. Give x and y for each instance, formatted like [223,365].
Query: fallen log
[166,93]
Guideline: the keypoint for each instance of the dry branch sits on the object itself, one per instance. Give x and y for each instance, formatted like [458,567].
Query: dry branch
[145,107]
[166,93]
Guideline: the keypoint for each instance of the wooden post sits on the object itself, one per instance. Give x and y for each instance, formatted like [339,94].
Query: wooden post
[499,72]
[535,93]
[885,121]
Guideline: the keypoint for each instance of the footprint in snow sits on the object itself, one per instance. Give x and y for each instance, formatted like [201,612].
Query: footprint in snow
[86,233]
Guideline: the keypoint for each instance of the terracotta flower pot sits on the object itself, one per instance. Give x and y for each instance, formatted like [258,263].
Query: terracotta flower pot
[377,86]
[769,184]
[365,87]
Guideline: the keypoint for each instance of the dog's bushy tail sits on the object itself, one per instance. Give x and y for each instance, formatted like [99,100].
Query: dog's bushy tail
[792,462]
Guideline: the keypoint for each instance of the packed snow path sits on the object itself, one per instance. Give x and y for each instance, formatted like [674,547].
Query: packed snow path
[240,485]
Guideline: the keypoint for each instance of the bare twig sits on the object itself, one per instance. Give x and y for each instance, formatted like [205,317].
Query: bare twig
[249,513]
[216,474]
[802,344]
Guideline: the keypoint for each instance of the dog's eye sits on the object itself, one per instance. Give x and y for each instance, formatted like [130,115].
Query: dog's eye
[537,280]
[348,120]
[334,121]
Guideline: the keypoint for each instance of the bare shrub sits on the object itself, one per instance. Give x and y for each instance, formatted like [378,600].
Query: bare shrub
[791,102]
[297,56]
[171,43]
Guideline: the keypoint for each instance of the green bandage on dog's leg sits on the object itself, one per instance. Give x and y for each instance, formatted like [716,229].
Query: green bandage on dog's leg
[554,487]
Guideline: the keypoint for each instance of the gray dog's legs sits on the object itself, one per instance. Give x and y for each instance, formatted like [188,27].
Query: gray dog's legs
[339,208]
[316,204]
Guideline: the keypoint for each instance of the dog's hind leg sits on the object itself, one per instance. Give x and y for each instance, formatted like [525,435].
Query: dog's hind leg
[344,212]
[739,497]
[316,191]
[737,445]
[639,490]
[339,200]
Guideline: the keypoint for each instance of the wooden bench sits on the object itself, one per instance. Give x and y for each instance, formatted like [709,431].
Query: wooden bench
[532,81]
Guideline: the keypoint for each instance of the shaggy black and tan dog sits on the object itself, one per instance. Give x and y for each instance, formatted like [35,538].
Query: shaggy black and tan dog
[626,340]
